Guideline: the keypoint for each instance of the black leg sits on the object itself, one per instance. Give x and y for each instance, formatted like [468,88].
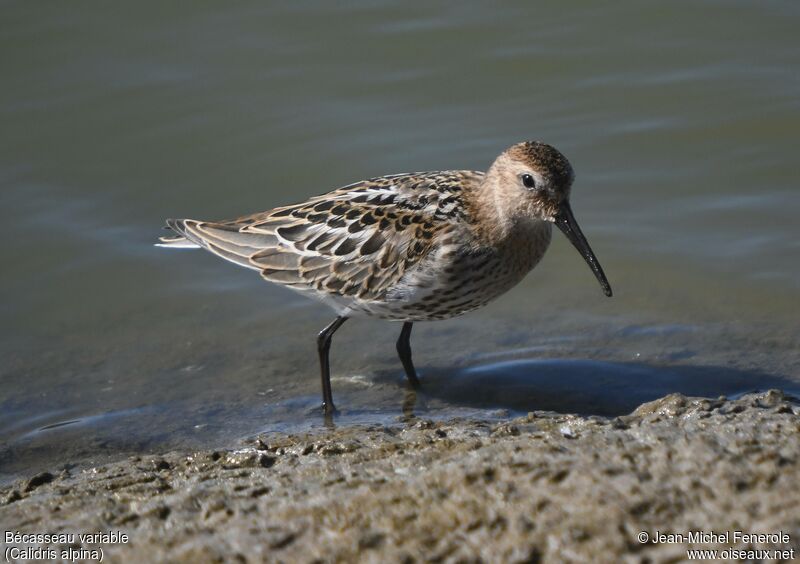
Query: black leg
[404,350]
[324,346]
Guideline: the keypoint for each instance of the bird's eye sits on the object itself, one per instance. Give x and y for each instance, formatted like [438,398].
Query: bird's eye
[528,181]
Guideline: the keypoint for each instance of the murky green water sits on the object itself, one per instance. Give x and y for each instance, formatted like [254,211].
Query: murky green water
[681,120]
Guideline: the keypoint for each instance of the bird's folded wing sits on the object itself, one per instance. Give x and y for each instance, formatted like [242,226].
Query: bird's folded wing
[356,241]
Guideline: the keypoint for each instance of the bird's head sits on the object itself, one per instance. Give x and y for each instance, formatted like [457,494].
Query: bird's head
[533,181]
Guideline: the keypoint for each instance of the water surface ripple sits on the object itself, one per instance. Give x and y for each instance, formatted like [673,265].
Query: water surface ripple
[680,119]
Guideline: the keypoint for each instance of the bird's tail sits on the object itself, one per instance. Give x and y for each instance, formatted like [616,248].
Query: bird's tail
[179,240]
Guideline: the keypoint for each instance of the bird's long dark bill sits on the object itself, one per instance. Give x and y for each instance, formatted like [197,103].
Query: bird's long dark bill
[566,222]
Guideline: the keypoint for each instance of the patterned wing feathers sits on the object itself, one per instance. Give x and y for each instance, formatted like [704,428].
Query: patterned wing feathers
[357,241]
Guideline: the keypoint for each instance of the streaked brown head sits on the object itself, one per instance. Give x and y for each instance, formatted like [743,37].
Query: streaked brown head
[533,180]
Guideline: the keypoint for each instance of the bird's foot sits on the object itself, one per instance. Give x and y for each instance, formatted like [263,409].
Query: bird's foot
[413,381]
[329,410]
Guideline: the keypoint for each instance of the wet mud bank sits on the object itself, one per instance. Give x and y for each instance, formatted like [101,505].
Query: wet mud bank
[538,488]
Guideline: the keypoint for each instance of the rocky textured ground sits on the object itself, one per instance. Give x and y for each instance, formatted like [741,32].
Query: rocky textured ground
[545,487]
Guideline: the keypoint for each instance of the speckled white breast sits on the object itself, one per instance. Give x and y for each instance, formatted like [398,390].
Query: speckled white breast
[459,278]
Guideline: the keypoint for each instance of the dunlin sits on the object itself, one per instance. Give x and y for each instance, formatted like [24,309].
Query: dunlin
[406,247]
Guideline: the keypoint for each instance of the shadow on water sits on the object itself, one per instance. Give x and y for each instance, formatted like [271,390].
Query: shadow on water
[586,387]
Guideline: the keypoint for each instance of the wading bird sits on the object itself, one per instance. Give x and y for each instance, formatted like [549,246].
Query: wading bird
[406,247]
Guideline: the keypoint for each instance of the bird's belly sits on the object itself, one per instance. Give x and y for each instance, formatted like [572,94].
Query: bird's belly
[461,294]
[456,281]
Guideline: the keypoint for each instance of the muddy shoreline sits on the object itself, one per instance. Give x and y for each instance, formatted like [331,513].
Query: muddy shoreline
[538,488]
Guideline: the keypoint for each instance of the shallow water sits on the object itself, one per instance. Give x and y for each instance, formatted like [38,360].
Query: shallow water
[680,120]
